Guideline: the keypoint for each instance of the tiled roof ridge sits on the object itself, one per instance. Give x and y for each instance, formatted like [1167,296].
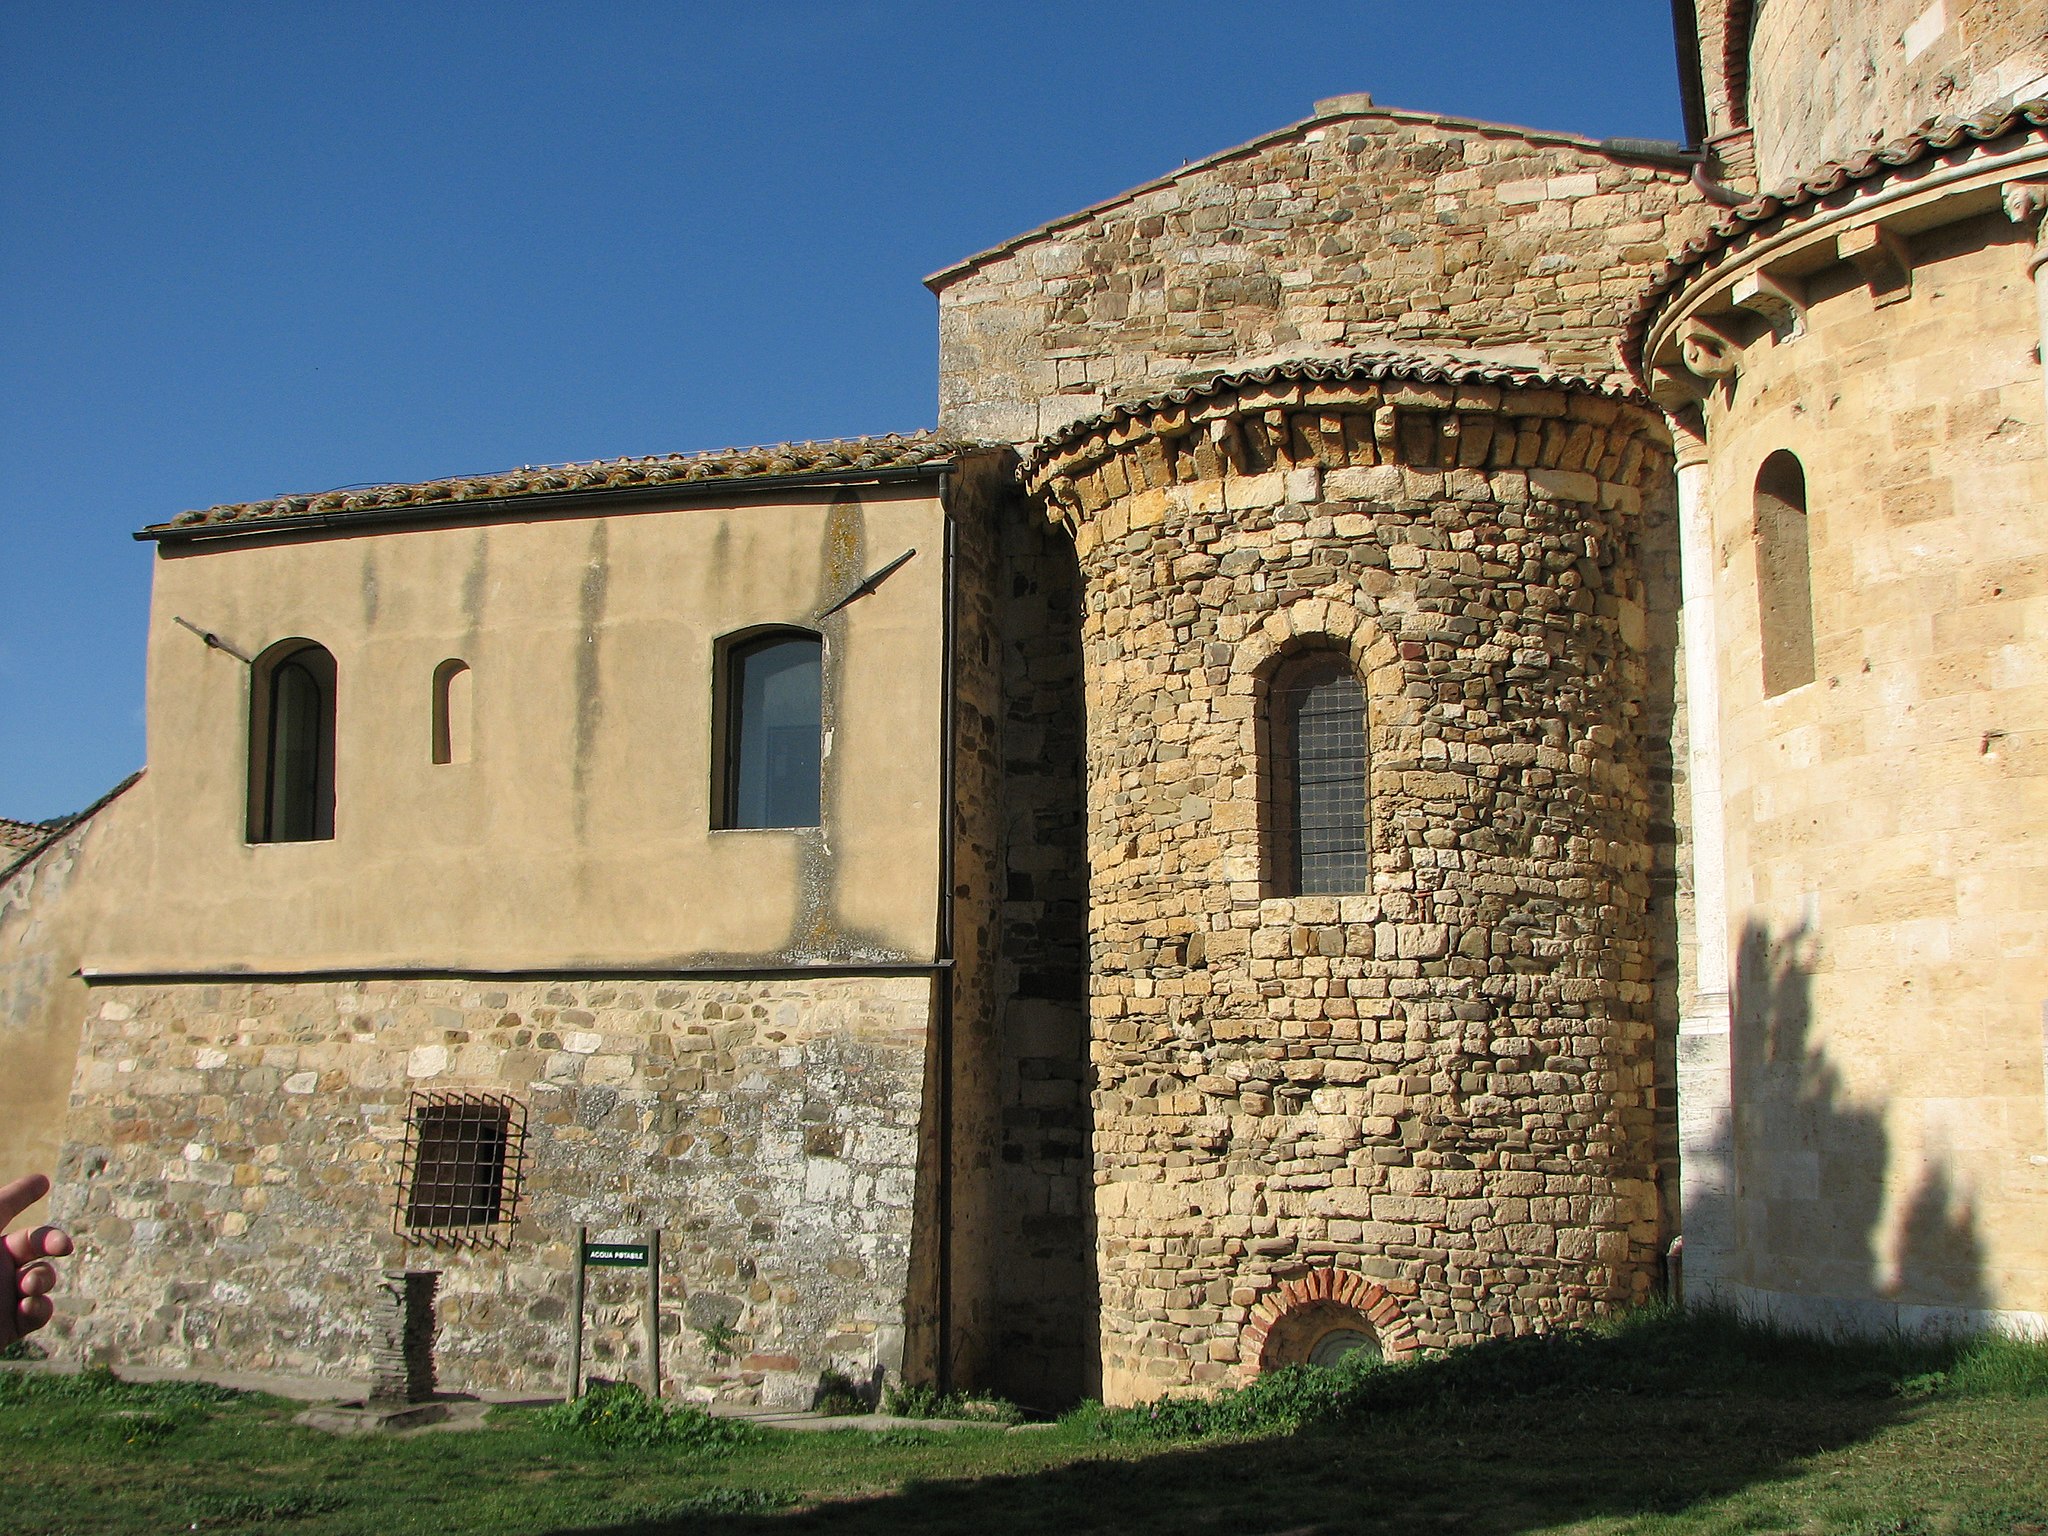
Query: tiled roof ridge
[15,856]
[1936,136]
[25,834]
[889,450]
[1412,368]
[1546,136]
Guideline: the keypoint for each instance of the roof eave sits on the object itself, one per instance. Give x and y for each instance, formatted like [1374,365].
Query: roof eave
[537,504]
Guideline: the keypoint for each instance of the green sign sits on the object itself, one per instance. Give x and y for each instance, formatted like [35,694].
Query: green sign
[616,1255]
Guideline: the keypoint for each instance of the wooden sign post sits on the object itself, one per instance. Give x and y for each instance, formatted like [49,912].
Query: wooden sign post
[591,1255]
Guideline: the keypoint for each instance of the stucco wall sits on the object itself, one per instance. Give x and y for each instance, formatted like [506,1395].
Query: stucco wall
[47,907]
[1354,231]
[1888,897]
[1830,78]
[233,1154]
[579,832]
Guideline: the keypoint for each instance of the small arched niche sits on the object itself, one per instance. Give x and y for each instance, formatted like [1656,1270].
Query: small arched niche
[454,711]
[1784,574]
[1325,1317]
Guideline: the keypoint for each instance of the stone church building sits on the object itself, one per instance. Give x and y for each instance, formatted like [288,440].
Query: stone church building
[1449,735]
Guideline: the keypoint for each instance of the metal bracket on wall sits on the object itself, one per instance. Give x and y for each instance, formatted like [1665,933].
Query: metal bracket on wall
[213,641]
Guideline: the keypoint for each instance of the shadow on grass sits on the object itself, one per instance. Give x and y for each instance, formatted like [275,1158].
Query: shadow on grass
[1655,1416]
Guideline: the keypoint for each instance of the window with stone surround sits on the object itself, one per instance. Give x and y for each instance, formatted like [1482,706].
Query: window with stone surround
[291,744]
[1784,575]
[459,1174]
[1318,828]
[770,714]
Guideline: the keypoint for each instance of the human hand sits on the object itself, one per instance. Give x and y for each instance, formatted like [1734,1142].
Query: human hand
[26,1279]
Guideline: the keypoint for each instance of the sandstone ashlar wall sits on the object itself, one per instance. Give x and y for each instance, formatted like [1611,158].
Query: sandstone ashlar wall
[1888,885]
[233,1151]
[1443,1083]
[1356,229]
[1831,79]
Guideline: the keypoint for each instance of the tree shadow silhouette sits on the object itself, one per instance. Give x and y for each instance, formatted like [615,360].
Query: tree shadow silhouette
[1820,1236]
[1509,1436]
[1813,1213]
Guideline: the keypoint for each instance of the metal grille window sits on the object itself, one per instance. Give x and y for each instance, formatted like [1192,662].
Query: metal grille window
[459,1180]
[1318,801]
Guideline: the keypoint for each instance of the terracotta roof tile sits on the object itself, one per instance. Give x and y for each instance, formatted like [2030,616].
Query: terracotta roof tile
[20,836]
[1355,366]
[828,459]
[1935,137]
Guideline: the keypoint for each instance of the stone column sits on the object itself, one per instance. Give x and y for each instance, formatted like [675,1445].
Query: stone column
[402,1359]
[1705,1087]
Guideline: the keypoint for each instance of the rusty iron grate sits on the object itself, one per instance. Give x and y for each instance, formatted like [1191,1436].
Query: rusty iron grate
[459,1180]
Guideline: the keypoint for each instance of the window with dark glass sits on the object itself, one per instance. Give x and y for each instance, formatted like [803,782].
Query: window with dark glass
[460,1168]
[291,757]
[1317,801]
[773,759]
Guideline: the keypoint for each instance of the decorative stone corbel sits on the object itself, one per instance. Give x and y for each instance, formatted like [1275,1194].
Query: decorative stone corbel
[1676,388]
[1882,258]
[1707,352]
[1779,301]
[2026,202]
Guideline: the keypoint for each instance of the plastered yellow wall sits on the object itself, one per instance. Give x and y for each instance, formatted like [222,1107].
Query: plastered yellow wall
[579,832]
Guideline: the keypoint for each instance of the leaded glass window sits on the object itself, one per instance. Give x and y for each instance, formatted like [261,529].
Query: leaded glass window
[1318,797]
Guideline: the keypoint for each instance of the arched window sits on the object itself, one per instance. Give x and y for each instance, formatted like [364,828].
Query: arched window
[452,711]
[291,744]
[1319,840]
[1784,575]
[772,721]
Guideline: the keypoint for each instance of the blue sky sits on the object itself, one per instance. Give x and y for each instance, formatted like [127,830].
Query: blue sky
[285,246]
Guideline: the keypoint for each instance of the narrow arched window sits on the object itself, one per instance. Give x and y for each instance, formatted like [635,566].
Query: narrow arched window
[452,711]
[772,720]
[1317,799]
[1784,575]
[291,744]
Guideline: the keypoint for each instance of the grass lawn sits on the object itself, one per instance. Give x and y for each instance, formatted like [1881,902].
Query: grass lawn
[1662,1424]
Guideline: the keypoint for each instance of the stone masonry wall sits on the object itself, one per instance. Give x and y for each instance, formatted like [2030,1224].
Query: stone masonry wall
[1047,1354]
[1829,79]
[1444,1083]
[1360,230]
[233,1150]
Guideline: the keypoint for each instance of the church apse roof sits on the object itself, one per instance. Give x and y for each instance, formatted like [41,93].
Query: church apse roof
[848,458]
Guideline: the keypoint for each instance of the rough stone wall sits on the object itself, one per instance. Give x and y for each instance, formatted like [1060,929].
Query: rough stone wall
[1048,1353]
[1443,1084]
[1885,822]
[1374,230]
[1831,78]
[233,1149]
[972,1217]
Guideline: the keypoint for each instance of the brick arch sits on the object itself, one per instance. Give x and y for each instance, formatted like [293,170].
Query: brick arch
[1285,1326]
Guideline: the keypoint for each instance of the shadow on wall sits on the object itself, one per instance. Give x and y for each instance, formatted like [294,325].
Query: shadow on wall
[1048,1353]
[1813,1210]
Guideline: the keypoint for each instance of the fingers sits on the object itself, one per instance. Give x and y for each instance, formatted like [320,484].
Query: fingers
[42,1243]
[20,1195]
[36,1280]
[33,1312]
